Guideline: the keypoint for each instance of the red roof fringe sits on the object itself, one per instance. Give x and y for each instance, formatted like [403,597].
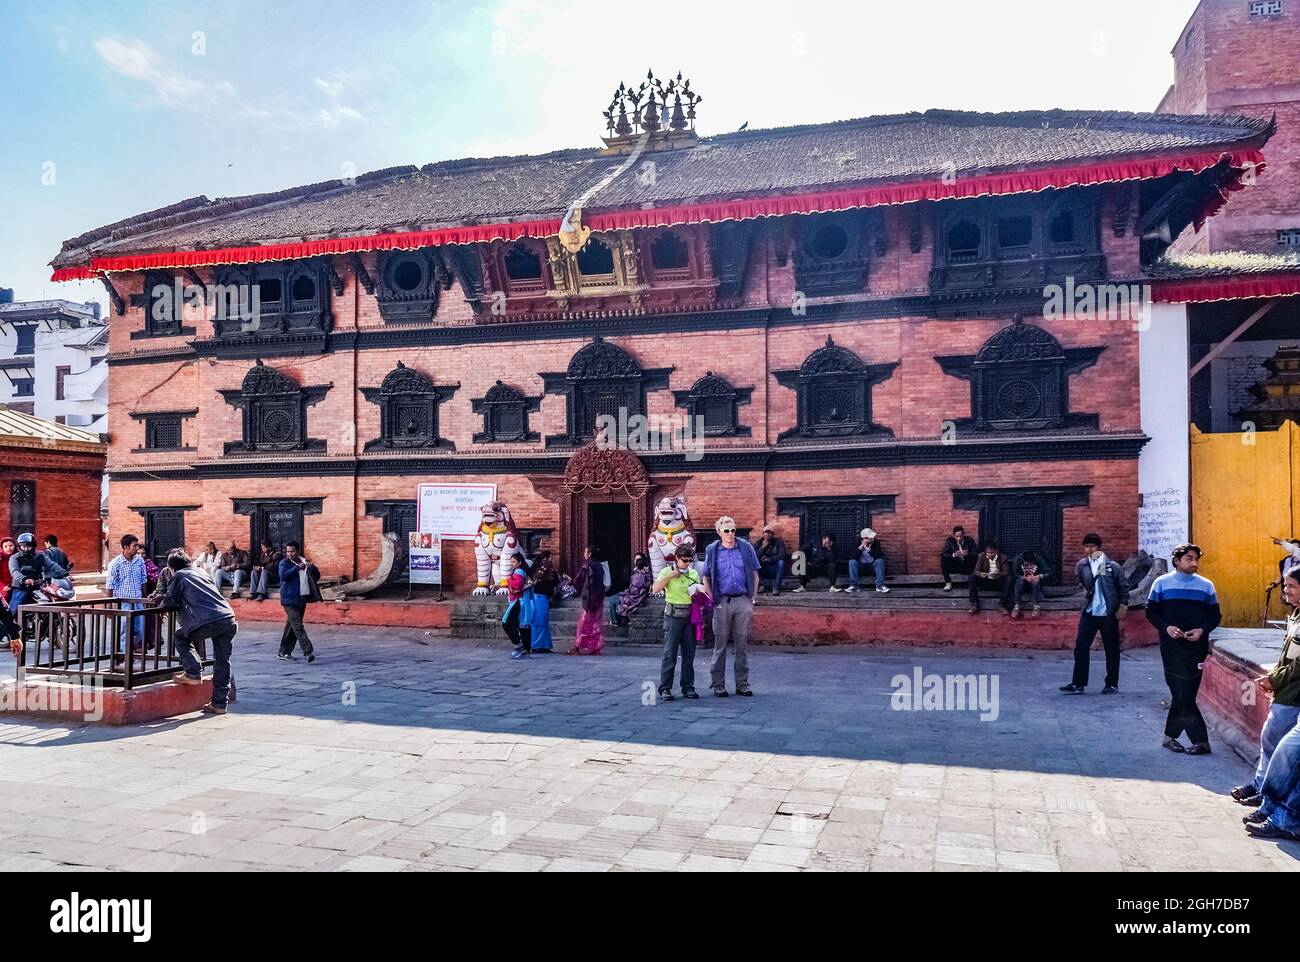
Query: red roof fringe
[743,209]
[1239,288]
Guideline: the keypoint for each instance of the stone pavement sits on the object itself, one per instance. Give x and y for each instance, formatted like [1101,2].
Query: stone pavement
[397,751]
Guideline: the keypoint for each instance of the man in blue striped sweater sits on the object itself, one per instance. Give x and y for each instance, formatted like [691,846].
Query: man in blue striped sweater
[1185,609]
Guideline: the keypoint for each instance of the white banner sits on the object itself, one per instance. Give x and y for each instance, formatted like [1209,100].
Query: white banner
[426,558]
[453,511]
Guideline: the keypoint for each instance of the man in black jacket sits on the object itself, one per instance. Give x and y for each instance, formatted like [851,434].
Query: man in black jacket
[771,560]
[29,569]
[821,561]
[1105,597]
[958,557]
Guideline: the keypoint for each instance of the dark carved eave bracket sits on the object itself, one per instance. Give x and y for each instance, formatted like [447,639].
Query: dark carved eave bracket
[119,305]
[362,275]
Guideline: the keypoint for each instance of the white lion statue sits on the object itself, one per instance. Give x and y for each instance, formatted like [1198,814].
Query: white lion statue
[495,548]
[672,530]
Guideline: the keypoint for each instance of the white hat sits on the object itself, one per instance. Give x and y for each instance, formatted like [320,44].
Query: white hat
[868,534]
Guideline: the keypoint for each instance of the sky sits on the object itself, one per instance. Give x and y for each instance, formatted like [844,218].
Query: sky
[110,109]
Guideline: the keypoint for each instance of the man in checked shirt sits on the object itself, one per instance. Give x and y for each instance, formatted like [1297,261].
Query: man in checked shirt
[125,579]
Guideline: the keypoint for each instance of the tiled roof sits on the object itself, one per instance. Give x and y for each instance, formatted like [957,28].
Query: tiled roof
[1178,265]
[873,150]
[27,430]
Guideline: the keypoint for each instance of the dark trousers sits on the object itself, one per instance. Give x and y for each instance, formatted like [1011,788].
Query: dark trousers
[1001,585]
[294,630]
[955,566]
[679,637]
[521,635]
[818,571]
[222,634]
[1183,671]
[1035,591]
[1089,625]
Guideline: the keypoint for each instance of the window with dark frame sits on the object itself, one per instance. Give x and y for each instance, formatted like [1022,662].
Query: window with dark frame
[24,387]
[22,508]
[596,259]
[26,338]
[60,372]
[162,431]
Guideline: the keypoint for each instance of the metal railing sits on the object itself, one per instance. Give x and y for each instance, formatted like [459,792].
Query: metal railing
[102,641]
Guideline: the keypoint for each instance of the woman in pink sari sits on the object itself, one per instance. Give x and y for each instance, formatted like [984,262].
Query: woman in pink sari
[590,585]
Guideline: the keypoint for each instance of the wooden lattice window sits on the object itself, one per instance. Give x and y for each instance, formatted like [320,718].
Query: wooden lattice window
[22,508]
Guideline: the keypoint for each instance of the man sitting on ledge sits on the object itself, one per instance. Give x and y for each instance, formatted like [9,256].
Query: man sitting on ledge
[958,557]
[870,555]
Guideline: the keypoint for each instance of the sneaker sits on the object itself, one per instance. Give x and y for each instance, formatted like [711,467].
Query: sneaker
[519,655]
[1254,818]
[719,691]
[665,694]
[882,589]
[798,589]
[184,679]
[1110,690]
[283,657]
[1036,612]
[1201,748]
[947,586]
[311,658]
[1269,830]
[1015,612]
[690,693]
[838,588]
[1072,689]
[745,692]
[849,588]
[974,609]
[213,709]
[1174,745]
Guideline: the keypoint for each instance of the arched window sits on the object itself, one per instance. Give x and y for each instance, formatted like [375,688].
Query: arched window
[669,253]
[596,259]
[964,241]
[523,264]
[304,288]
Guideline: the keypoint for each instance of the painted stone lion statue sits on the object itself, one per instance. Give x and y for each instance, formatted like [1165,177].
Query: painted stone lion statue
[672,530]
[495,547]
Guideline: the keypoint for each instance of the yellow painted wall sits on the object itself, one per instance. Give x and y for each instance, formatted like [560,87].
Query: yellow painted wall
[1243,495]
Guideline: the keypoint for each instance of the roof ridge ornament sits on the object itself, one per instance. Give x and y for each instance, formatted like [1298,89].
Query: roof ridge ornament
[666,119]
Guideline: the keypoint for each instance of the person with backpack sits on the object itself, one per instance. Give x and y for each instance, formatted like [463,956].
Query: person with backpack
[1105,596]
[518,618]
[298,589]
[204,615]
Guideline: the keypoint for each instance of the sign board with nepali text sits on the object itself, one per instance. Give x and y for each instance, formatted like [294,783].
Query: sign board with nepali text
[425,552]
[453,511]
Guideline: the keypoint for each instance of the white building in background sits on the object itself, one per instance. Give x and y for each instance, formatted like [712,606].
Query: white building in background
[52,357]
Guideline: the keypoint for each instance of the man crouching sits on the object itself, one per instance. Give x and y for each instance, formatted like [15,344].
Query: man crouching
[204,614]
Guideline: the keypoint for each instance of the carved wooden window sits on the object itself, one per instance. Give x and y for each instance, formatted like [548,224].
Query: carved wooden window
[1016,244]
[279,298]
[505,413]
[279,520]
[713,399]
[22,508]
[596,263]
[408,410]
[1024,519]
[602,379]
[163,313]
[523,269]
[840,517]
[1020,381]
[274,411]
[834,393]
[407,288]
[670,257]
[832,253]
[163,431]
[164,530]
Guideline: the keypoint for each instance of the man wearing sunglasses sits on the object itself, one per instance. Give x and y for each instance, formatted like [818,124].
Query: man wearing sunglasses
[731,579]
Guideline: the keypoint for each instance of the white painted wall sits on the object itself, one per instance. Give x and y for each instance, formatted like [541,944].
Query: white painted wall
[1164,467]
[59,344]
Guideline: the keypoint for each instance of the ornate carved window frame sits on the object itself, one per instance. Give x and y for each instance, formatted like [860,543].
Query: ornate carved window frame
[155,285]
[1020,382]
[502,397]
[153,426]
[829,371]
[287,317]
[990,502]
[404,394]
[820,273]
[416,304]
[269,398]
[862,508]
[595,367]
[712,389]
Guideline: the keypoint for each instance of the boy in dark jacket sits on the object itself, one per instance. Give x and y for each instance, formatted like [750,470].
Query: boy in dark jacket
[958,557]
[1029,569]
[204,614]
[820,561]
[992,573]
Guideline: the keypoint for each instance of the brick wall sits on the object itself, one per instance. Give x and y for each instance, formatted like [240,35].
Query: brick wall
[67,501]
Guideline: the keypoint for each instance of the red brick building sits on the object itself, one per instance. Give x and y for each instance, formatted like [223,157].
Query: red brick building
[50,483]
[855,310]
